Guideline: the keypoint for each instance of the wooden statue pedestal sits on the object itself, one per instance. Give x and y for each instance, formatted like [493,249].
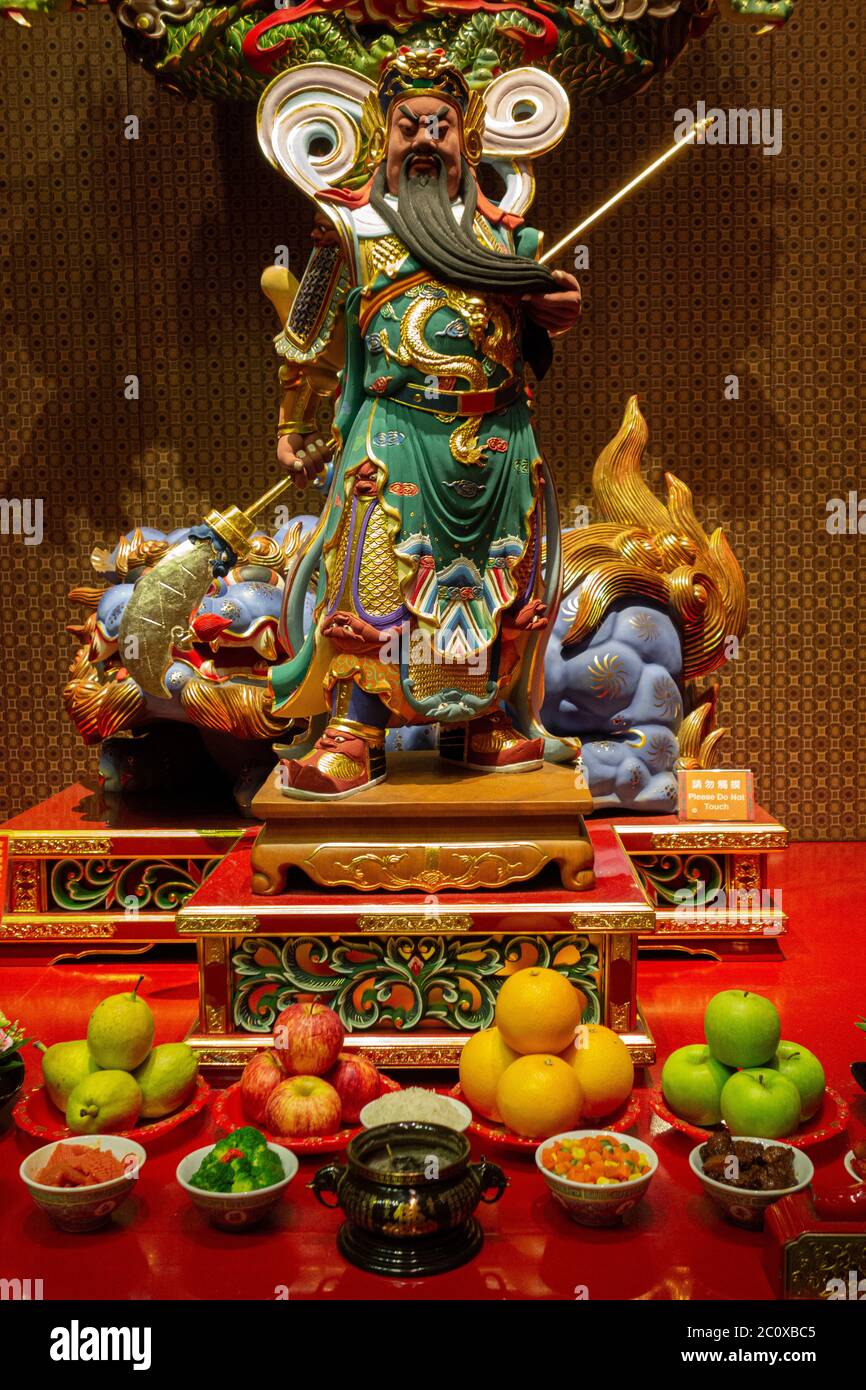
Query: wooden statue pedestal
[411,975]
[431,826]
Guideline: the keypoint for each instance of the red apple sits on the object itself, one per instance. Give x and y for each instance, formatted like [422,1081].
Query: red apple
[261,1074]
[301,1106]
[307,1039]
[356,1082]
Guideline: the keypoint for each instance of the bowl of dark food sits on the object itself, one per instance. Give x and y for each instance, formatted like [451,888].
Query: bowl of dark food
[744,1175]
[855,1161]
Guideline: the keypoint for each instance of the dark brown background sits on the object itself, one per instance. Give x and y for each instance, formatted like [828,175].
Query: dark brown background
[144,257]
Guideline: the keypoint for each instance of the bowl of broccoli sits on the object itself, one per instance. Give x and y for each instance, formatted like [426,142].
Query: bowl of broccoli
[237,1181]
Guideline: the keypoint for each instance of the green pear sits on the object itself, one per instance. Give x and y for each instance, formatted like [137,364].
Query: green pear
[120,1031]
[63,1066]
[104,1103]
[167,1079]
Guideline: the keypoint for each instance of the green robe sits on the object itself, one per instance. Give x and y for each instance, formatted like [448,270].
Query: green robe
[450,541]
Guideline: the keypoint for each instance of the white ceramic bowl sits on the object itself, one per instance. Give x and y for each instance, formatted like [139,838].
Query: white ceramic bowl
[850,1169]
[462,1113]
[235,1211]
[744,1207]
[84,1208]
[588,1203]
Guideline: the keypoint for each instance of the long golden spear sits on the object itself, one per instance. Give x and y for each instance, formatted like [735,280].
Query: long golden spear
[680,144]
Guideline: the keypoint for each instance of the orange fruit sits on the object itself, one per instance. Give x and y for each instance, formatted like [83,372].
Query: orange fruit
[539,1095]
[604,1069]
[538,1010]
[482,1062]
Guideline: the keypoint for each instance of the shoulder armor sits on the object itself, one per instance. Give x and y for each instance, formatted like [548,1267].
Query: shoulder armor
[321,292]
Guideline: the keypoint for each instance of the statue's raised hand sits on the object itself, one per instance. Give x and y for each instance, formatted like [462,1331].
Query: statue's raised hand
[560,309]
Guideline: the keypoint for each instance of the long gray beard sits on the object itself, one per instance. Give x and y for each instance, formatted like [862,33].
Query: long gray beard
[424,222]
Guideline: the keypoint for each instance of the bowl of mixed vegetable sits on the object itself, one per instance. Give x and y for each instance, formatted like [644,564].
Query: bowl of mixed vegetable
[237,1181]
[598,1177]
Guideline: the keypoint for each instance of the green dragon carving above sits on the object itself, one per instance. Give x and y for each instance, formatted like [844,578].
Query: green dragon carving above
[598,49]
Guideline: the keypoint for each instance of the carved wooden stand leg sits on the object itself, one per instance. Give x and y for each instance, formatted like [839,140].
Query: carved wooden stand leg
[386,861]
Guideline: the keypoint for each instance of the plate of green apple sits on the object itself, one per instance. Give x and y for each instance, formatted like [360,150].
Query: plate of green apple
[745,1075]
[115,1080]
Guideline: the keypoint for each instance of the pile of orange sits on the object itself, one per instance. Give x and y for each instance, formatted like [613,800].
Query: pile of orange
[540,1070]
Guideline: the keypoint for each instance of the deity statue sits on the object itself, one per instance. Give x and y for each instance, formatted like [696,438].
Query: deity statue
[422,311]
[423,606]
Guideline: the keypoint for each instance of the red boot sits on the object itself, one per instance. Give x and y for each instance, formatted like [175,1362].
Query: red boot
[347,758]
[490,744]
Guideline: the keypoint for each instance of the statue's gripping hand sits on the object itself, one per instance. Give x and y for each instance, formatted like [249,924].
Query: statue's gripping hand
[560,309]
[304,457]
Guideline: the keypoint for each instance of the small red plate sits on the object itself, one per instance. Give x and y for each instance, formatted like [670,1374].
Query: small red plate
[831,1119]
[622,1120]
[37,1116]
[229,1115]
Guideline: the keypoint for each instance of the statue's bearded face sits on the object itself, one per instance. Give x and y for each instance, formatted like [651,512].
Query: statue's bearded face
[420,127]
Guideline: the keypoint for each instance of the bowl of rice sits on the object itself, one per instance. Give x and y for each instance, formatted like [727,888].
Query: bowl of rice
[420,1105]
[80,1182]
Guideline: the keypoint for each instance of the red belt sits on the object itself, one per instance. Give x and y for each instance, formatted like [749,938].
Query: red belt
[459,402]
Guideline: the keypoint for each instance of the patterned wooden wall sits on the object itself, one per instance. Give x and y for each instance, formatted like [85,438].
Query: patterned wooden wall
[144,256]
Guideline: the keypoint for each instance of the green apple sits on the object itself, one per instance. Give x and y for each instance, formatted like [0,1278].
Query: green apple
[692,1082]
[761,1103]
[104,1103]
[167,1079]
[803,1068]
[63,1066]
[120,1031]
[742,1028]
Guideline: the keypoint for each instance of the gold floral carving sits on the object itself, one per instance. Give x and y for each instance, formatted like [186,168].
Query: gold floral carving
[691,923]
[612,921]
[216,1018]
[61,844]
[814,1259]
[731,840]
[745,872]
[423,922]
[621,948]
[25,888]
[214,951]
[56,931]
[242,924]
[431,867]
[424,1055]
[212,1053]
[216,1056]
[619,1017]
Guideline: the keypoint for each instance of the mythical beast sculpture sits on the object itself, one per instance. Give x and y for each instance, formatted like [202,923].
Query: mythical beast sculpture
[651,604]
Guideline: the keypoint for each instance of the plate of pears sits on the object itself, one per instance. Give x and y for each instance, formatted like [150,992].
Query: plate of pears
[114,1080]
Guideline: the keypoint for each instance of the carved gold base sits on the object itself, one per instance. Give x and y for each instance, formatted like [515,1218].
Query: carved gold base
[420,1050]
[429,827]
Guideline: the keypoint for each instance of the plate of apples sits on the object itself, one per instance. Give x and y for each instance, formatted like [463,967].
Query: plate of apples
[304,1092]
[746,1075]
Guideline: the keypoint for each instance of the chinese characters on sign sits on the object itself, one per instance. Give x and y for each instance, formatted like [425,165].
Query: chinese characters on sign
[716,794]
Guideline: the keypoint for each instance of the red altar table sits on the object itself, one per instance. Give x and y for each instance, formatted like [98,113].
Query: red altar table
[676,1244]
[81,867]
